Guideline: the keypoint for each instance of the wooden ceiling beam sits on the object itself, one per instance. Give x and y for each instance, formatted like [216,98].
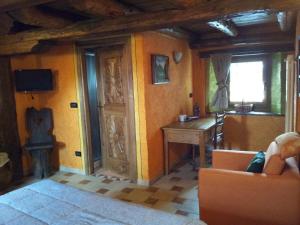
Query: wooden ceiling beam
[24,47]
[184,4]
[153,20]
[248,49]
[285,20]
[178,32]
[6,23]
[225,26]
[36,17]
[272,38]
[8,5]
[245,31]
[101,8]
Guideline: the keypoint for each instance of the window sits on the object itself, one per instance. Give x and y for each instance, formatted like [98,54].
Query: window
[247,82]
[256,79]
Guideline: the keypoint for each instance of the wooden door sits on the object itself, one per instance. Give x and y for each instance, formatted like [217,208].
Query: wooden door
[114,111]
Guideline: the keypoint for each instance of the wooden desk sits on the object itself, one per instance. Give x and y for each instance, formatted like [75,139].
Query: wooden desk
[194,132]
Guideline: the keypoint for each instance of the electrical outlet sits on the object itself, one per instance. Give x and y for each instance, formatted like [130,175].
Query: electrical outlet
[73,105]
[78,153]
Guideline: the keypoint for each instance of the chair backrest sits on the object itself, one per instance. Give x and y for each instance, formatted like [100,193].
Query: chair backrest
[219,130]
[39,125]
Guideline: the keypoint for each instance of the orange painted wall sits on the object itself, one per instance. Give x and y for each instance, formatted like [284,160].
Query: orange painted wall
[163,103]
[252,132]
[61,59]
[199,81]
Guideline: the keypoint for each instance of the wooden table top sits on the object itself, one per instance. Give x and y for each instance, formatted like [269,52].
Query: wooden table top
[200,124]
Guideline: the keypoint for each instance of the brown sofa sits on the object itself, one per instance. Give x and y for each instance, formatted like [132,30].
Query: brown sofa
[230,196]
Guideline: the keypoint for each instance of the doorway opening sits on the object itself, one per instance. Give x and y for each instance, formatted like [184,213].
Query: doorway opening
[92,87]
[107,108]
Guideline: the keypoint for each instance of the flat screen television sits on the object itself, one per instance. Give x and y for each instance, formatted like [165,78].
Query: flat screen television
[33,80]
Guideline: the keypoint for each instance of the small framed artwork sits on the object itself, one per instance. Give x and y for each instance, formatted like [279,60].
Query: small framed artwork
[160,66]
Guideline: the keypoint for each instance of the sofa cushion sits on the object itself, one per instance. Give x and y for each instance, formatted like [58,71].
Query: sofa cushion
[257,163]
[288,144]
[274,164]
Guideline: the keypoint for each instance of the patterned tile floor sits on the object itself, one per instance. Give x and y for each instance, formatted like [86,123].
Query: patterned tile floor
[175,193]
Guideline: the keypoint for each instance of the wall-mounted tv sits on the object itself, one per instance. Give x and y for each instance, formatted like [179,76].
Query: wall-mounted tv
[33,80]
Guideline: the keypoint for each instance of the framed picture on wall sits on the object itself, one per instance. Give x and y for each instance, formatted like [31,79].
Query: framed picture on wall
[160,66]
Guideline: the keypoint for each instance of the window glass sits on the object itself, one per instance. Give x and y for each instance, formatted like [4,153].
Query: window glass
[247,82]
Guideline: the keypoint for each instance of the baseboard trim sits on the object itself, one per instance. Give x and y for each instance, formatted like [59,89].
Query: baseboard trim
[71,170]
[143,182]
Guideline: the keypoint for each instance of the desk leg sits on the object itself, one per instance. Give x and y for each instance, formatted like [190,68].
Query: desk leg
[202,150]
[166,150]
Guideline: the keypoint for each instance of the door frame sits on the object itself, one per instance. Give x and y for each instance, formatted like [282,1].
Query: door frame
[105,43]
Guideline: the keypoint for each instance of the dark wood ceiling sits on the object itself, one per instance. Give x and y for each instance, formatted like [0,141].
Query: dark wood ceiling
[265,25]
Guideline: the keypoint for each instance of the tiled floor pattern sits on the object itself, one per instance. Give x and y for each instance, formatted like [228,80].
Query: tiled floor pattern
[175,193]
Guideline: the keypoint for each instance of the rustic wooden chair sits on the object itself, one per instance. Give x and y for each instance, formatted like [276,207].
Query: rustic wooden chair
[41,141]
[216,140]
[218,136]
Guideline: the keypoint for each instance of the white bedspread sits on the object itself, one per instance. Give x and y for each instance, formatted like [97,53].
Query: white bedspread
[49,202]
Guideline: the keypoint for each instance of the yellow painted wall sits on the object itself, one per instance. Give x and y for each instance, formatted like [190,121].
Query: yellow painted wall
[61,59]
[199,81]
[137,52]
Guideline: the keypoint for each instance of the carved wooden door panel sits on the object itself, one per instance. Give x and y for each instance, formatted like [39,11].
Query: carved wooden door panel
[114,114]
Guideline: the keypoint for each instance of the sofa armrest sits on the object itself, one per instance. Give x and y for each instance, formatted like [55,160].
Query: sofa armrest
[231,159]
[250,196]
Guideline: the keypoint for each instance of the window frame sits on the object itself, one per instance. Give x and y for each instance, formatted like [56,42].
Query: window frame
[264,106]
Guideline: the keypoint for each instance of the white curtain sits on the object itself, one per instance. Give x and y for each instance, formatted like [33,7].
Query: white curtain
[221,65]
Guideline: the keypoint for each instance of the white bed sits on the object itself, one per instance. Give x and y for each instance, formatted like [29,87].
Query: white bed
[49,202]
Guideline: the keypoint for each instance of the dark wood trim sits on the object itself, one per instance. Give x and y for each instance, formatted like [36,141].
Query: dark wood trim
[248,50]
[263,39]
